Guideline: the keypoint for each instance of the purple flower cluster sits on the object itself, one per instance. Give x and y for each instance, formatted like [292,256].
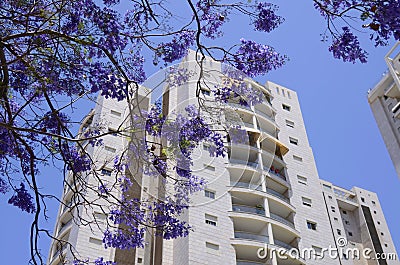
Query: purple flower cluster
[23,200]
[177,48]
[347,48]
[254,59]
[266,19]
[212,17]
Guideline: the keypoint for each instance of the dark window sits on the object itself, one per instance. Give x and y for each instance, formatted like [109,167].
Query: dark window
[106,172]
[286,107]
[362,199]
[350,234]
[209,194]
[311,225]
[339,232]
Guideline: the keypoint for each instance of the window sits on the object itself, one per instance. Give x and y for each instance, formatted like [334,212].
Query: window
[306,201]
[116,113]
[283,92]
[382,234]
[205,92]
[333,209]
[350,234]
[362,199]
[302,180]
[112,132]
[290,124]
[288,94]
[100,217]
[106,172]
[327,187]
[212,247]
[346,222]
[139,260]
[110,149]
[208,167]
[386,245]
[277,90]
[293,141]
[374,212]
[339,232]
[317,250]
[373,202]
[344,212]
[297,158]
[95,241]
[286,107]
[330,197]
[335,218]
[211,220]
[311,225]
[210,194]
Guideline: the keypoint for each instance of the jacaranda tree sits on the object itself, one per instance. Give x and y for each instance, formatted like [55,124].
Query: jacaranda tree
[54,53]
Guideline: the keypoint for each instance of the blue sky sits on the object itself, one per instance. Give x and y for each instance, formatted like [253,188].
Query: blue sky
[348,148]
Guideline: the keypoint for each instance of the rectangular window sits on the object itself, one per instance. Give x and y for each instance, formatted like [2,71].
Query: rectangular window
[106,172]
[290,124]
[311,225]
[335,218]
[112,132]
[362,199]
[339,232]
[306,201]
[350,234]
[95,241]
[212,247]
[286,107]
[317,250]
[205,92]
[297,158]
[208,167]
[116,113]
[210,194]
[211,220]
[283,92]
[333,209]
[302,180]
[293,141]
[110,149]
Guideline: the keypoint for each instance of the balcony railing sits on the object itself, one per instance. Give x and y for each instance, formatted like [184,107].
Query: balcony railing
[265,115]
[64,226]
[246,185]
[250,236]
[248,209]
[58,252]
[344,195]
[279,175]
[243,162]
[277,194]
[283,244]
[282,220]
[246,262]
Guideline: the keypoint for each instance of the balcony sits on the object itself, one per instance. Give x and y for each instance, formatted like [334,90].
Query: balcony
[252,237]
[248,209]
[266,116]
[282,220]
[246,262]
[64,226]
[246,185]
[278,195]
[243,162]
[275,172]
[283,244]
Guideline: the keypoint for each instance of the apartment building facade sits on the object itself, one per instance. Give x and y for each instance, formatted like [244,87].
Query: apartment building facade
[384,100]
[263,203]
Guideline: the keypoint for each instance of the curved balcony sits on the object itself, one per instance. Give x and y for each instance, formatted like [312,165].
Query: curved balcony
[247,262]
[254,165]
[256,190]
[252,237]
[248,209]
[64,227]
[282,220]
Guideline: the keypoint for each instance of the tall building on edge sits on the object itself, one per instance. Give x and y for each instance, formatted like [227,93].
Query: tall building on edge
[263,204]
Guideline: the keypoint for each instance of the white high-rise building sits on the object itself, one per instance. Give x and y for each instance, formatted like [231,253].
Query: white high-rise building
[384,100]
[264,197]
